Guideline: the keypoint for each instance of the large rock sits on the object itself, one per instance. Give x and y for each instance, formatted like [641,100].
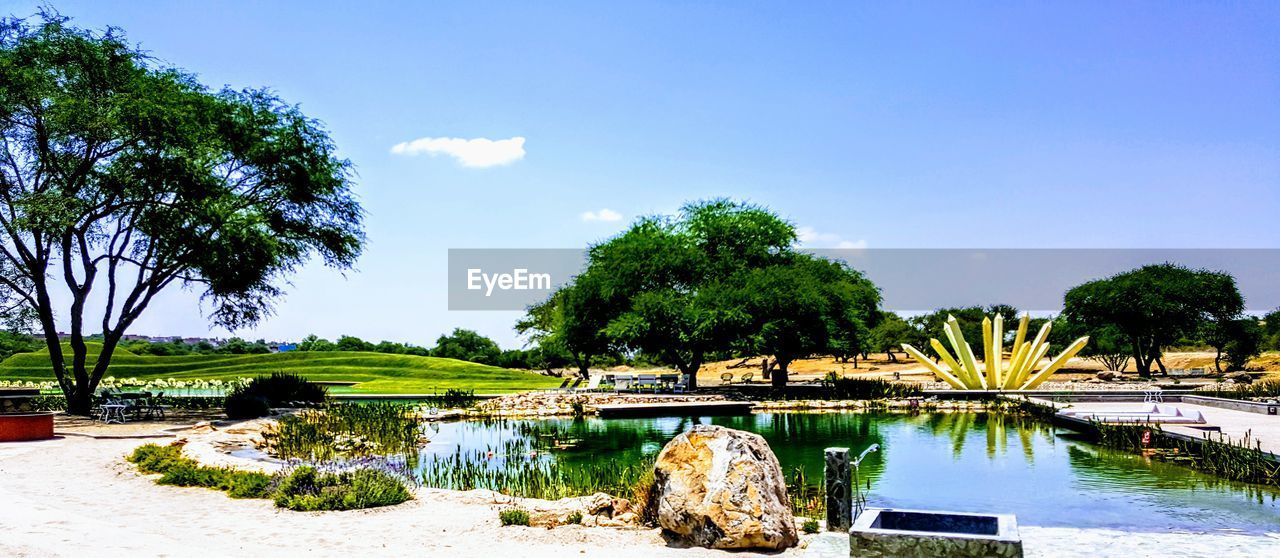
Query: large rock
[722,488]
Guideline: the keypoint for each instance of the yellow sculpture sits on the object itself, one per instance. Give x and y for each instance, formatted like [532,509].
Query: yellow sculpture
[1019,373]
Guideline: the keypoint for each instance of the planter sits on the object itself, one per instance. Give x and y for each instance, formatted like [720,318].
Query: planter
[881,532]
[26,426]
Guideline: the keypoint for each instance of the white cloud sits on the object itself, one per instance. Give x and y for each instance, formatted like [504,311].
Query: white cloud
[475,152]
[810,237]
[605,214]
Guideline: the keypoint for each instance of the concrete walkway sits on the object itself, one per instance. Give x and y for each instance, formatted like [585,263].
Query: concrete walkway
[1235,425]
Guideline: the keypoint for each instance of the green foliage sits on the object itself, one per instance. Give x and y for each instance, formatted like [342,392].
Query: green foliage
[836,387]
[1271,330]
[346,431]
[892,332]
[305,489]
[804,307]
[809,526]
[12,342]
[465,344]
[515,516]
[574,518]
[1154,306]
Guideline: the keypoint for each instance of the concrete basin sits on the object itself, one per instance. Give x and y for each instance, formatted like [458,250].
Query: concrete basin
[886,532]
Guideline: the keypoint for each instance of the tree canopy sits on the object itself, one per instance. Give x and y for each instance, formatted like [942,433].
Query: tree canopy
[721,276]
[1154,306]
[123,177]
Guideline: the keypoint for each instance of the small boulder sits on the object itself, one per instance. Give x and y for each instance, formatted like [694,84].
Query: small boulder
[1106,375]
[1240,378]
[722,488]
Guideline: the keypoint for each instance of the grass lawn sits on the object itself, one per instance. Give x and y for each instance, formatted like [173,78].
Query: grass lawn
[373,372]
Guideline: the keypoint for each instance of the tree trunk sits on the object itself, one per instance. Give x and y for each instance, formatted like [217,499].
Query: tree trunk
[1217,360]
[779,378]
[892,357]
[1140,359]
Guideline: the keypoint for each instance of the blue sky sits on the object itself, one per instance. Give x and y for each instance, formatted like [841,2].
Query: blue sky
[1063,124]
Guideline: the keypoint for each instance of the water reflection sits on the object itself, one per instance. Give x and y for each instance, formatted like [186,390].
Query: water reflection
[959,461]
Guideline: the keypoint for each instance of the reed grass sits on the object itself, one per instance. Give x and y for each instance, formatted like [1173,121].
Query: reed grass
[345,431]
[1242,460]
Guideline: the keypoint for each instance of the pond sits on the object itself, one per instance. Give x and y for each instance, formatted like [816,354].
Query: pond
[974,462]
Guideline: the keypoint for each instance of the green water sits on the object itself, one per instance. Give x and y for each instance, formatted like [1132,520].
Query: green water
[954,461]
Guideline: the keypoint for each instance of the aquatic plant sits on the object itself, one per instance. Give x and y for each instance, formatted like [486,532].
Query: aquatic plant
[512,469]
[837,387]
[963,371]
[807,498]
[1242,460]
[347,430]
[451,399]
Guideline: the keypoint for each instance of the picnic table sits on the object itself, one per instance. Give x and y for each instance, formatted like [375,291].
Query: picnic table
[115,407]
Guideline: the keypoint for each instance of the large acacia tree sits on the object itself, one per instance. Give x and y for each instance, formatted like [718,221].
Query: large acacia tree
[719,277]
[120,178]
[1154,306]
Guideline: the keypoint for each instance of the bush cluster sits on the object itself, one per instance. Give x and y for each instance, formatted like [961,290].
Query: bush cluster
[304,489]
[256,398]
[309,490]
[177,470]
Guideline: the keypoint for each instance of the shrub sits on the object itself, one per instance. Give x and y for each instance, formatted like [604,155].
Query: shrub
[309,490]
[248,484]
[188,473]
[810,526]
[305,489]
[255,398]
[246,406]
[513,516]
[282,388]
[574,518]
[152,458]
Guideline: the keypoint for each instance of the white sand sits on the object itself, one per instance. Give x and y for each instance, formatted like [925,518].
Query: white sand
[77,497]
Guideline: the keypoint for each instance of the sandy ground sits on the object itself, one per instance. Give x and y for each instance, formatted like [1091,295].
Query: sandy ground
[77,497]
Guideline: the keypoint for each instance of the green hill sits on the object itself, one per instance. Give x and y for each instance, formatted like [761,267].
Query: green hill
[374,372]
